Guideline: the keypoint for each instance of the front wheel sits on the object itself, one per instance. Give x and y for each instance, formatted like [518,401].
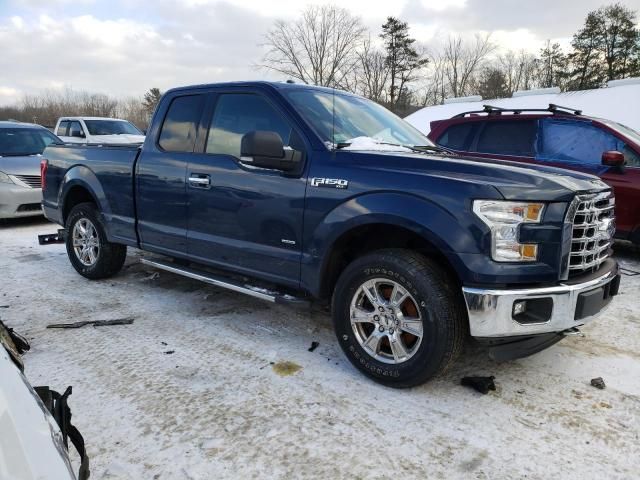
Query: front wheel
[89,251]
[398,317]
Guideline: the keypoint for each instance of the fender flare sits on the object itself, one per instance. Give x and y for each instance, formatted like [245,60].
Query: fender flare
[81,176]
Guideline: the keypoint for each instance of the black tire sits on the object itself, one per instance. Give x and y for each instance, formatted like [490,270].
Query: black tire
[110,257]
[440,305]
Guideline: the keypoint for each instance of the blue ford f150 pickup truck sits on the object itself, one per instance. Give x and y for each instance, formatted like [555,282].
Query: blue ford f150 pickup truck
[287,191]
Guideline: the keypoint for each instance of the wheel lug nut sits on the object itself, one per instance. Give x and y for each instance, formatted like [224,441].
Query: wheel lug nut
[376,318]
[381,309]
[391,331]
[397,322]
[381,328]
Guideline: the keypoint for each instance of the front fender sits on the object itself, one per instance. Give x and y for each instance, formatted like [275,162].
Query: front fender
[450,233]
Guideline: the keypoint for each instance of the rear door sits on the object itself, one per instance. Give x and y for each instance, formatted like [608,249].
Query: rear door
[512,139]
[241,217]
[161,176]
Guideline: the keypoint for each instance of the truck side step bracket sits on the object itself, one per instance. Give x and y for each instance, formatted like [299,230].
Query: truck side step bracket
[224,282]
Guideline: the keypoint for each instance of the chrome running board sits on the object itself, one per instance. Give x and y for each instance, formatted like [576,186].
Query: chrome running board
[222,282]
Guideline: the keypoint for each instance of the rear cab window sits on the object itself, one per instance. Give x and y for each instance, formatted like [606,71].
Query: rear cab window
[180,125]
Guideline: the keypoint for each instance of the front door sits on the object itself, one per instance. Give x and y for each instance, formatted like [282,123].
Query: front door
[161,190]
[242,217]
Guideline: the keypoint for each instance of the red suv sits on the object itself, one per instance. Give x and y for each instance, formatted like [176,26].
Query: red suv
[556,136]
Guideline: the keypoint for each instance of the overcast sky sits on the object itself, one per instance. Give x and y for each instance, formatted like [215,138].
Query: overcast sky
[124,47]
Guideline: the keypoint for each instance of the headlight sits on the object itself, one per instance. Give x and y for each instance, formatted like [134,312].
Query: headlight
[504,220]
[4,178]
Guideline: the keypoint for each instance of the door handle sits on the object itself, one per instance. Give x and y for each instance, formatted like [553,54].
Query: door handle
[199,180]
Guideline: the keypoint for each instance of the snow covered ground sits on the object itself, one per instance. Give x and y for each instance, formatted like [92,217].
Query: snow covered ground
[189,391]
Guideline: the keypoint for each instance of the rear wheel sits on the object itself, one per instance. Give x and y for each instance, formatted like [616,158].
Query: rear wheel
[87,247]
[398,317]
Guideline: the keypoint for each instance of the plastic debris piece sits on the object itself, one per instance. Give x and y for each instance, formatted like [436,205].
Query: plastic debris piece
[598,383]
[95,323]
[313,346]
[480,384]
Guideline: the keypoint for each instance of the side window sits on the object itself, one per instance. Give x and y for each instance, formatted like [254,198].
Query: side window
[575,142]
[178,133]
[236,114]
[75,128]
[62,129]
[508,137]
[458,137]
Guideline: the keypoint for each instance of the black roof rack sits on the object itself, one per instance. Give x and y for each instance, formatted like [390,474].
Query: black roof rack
[491,110]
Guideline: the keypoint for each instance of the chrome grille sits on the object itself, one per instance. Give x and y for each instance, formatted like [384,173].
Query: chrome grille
[32,180]
[592,233]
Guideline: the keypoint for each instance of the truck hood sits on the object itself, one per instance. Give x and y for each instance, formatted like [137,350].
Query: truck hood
[22,165]
[123,138]
[513,180]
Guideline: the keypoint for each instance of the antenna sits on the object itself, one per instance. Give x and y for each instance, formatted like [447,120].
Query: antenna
[333,96]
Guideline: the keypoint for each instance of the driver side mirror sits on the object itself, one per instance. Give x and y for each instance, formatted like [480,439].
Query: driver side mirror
[613,158]
[264,149]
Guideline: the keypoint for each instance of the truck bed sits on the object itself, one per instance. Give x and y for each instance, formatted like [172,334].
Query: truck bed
[109,172]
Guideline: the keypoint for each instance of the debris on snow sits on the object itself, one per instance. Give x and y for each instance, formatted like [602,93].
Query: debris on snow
[313,346]
[598,383]
[480,384]
[151,277]
[169,352]
[95,323]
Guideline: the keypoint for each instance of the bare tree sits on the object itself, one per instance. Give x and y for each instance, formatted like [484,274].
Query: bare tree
[47,107]
[372,73]
[518,69]
[433,90]
[463,61]
[319,48]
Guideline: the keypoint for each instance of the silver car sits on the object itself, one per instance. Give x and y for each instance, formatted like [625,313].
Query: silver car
[21,146]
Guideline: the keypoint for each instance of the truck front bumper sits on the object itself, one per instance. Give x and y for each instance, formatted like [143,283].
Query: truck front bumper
[532,311]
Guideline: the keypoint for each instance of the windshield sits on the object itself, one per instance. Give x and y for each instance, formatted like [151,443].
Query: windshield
[111,127]
[355,118]
[25,141]
[624,130]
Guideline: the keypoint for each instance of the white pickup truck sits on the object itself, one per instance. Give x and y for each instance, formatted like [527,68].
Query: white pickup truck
[97,130]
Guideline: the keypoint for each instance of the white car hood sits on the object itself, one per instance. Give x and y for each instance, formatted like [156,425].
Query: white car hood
[31,445]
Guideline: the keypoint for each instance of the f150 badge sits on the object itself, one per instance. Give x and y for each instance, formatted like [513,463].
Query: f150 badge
[329,182]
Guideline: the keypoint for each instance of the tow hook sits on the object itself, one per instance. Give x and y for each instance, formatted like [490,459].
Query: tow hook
[573,332]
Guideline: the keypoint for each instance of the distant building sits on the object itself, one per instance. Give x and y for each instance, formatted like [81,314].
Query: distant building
[619,101]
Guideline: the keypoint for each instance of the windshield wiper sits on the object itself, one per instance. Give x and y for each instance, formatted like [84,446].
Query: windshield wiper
[429,148]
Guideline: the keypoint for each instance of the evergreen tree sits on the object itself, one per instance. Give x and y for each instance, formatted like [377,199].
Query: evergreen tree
[402,58]
[620,40]
[151,99]
[552,66]
[493,84]
[587,59]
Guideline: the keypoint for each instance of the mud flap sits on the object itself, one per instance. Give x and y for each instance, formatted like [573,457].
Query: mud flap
[57,405]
